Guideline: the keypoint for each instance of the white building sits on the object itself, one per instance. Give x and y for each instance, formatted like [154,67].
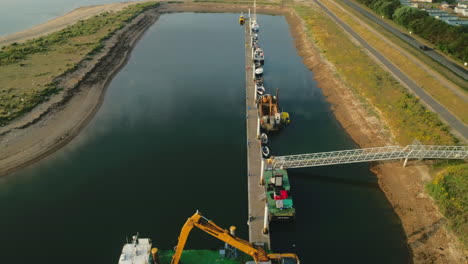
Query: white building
[462,11]
[457,22]
[462,4]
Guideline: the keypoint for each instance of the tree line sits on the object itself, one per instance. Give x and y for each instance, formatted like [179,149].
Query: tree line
[450,39]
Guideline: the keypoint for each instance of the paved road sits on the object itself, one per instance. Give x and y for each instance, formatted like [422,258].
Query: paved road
[457,69]
[448,117]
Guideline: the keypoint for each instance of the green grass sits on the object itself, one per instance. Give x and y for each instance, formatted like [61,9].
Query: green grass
[202,256]
[28,70]
[407,117]
[426,81]
[403,44]
[450,191]
[405,114]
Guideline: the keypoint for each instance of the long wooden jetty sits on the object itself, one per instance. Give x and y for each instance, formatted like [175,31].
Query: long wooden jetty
[254,155]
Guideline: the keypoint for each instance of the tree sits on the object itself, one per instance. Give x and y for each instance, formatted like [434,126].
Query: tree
[404,14]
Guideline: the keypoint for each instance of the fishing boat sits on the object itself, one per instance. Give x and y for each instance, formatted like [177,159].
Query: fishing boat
[278,195]
[257,65]
[265,151]
[259,56]
[241,19]
[271,119]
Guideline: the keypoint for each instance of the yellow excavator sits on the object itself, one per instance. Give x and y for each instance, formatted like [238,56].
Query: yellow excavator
[259,255]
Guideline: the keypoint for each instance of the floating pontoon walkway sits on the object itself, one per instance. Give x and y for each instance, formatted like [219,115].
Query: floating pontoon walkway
[254,155]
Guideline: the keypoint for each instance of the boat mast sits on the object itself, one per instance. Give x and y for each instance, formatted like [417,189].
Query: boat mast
[277,96]
[255,10]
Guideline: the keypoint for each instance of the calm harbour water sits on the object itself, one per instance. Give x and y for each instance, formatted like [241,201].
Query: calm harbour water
[170,139]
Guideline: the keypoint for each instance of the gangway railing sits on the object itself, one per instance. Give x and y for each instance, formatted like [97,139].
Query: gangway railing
[369,154]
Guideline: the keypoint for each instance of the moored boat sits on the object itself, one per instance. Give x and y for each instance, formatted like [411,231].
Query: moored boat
[265,151]
[263,138]
[241,19]
[259,55]
[254,26]
[258,72]
[285,118]
[137,252]
[254,38]
[260,89]
[271,119]
[278,195]
[258,80]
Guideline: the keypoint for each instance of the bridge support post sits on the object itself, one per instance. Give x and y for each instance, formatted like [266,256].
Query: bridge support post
[404,163]
[265,220]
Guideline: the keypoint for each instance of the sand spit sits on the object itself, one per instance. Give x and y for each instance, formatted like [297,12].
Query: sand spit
[61,22]
[53,124]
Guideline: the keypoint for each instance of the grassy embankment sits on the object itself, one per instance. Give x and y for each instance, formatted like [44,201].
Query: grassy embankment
[235,2]
[410,49]
[450,189]
[28,70]
[405,114]
[434,87]
[202,256]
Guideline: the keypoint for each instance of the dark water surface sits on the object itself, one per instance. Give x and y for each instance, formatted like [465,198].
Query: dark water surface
[170,139]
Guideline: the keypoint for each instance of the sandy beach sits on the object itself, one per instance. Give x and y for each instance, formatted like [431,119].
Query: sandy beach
[54,123]
[61,22]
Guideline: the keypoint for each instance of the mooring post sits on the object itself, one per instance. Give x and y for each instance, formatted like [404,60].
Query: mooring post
[258,127]
[265,220]
[262,169]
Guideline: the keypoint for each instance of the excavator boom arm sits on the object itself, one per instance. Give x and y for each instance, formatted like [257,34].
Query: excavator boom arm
[188,226]
[256,252]
[211,228]
[208,226]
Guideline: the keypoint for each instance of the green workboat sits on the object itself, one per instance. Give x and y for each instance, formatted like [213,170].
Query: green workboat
[278,195]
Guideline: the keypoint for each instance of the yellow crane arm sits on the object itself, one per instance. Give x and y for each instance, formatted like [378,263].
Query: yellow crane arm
[197,220]
[188,226]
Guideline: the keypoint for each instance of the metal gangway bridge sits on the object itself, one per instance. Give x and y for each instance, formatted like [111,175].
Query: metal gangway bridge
[367,155]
